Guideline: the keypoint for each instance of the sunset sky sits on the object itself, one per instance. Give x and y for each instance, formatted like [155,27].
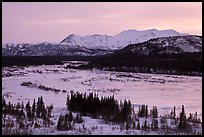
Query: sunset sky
[53,21]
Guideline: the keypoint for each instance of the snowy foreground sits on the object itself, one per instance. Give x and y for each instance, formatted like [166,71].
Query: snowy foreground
[163,91]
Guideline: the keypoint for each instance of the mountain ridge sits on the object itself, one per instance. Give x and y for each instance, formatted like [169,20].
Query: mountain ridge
[95,45]
[119,40]
[167,45]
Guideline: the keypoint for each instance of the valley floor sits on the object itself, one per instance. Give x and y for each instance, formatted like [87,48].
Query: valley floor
[163,91]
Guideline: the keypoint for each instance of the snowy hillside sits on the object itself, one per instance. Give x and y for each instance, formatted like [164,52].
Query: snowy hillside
[120,40]
[174,44]
[49,49]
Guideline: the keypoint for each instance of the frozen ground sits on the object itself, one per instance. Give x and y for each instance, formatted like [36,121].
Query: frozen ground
[164,91]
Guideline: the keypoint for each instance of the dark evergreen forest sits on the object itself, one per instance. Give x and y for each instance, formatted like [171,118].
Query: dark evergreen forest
[184,64]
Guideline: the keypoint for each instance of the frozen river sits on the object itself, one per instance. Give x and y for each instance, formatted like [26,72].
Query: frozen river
[163,91]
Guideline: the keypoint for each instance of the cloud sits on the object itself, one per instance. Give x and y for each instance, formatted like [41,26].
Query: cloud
[56,20]
[51,22]
[110,16]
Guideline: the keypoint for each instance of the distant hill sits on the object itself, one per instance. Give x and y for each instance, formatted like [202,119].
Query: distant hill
[169,55]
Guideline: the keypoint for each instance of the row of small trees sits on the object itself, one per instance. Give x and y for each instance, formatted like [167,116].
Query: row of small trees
[27,112]
[111,110]
[106,108]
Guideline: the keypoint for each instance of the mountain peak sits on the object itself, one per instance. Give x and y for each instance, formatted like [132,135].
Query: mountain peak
[152,29]
[130,31]
[120,40]
[71,35]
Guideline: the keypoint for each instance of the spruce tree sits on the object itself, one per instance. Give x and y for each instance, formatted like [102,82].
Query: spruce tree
[68,102]
[143,111]
[138,124]
[146,111]
[195,116]
[38,109]
[60,122]
[33,109]
[154,112]
[174,113]
[28,110]
[66,122]
[190,116]
[49,110]
[145,125]
[70,116]
[22,105]
[182,121]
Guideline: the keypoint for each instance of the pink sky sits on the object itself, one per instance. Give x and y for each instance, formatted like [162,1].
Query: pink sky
[53,21]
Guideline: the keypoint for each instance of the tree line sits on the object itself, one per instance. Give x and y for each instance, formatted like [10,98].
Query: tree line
[159,63]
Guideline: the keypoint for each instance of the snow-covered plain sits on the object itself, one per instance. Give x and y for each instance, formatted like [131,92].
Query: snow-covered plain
[164,91]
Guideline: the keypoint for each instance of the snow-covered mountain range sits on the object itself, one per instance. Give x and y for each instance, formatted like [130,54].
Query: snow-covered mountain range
[172,44]
[91,45]
[49,49]
[120,40]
